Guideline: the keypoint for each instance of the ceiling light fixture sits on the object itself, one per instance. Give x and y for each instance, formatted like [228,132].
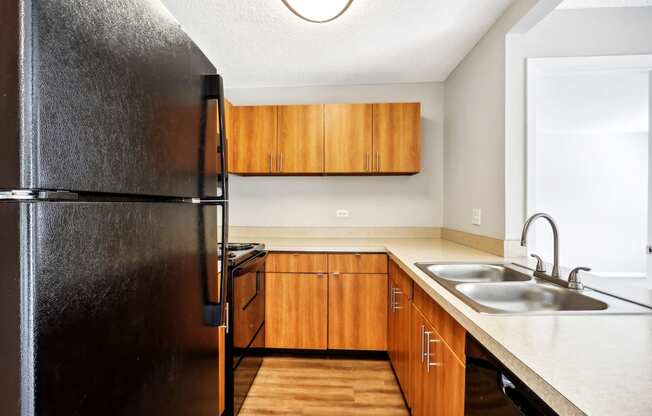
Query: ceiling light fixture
[318,11]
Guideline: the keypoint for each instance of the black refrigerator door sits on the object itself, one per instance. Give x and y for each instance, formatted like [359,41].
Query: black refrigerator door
[118,101]
[10,309]
[119,295]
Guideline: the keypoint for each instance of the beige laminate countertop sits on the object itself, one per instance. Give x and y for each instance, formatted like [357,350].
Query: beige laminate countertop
[579,364]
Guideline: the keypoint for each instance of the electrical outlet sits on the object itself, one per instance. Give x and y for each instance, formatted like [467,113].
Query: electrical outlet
[476,216]
[342,213]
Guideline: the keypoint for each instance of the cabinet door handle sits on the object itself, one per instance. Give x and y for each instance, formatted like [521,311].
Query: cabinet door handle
[391,296]
[428,355]
[396,306]
[423,337]
[336,274]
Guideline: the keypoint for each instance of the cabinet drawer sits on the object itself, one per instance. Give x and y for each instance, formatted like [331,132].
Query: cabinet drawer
[297,263]
[452,332]
[357,263]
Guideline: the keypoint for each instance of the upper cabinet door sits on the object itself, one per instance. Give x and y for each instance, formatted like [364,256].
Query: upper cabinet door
[397,138]
[300,139]
[348,143]
[252,139]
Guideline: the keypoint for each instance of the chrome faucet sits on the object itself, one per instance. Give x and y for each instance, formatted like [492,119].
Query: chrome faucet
[555,235]
[574,281]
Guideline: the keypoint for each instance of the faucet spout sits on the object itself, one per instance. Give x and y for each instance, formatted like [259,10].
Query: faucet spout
[555,235]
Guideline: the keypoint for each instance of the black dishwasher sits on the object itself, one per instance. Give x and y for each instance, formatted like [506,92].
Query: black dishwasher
[492,390]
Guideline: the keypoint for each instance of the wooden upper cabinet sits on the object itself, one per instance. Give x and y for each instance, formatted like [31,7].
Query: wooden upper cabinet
[348,138]
[252,139]
[300,139]
[397,138]
[358,139]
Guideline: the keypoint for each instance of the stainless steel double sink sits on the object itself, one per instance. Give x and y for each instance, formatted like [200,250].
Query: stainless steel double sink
[512,289]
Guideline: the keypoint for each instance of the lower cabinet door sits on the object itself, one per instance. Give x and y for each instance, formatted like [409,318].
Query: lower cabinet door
[436,373]
[296,310]
[416,361]
[392,329]
[450,383]
[402,312]
[431,373]
[357,311]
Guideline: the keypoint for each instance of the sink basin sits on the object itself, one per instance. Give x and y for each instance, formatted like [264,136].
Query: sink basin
[510,289]
[477,273]
[528,297]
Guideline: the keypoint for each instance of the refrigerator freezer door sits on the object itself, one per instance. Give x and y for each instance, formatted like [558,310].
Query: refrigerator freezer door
[10,296]
[117,102]
[118,319]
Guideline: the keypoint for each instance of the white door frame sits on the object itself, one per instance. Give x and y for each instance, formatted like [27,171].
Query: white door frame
[649,194]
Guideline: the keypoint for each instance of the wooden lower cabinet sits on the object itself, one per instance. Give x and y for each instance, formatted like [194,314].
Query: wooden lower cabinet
[357,311]
[416,361]
[398,334]
[296,310]
[437,375]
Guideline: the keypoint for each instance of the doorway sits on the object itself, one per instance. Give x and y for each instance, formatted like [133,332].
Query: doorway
[588,153]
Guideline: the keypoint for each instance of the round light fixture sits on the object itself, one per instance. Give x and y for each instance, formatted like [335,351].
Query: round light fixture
[318,11]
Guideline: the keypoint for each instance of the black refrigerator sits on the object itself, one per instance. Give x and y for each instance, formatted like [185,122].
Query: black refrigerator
[112,205]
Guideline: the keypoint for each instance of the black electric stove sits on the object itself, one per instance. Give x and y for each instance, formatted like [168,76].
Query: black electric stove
[240,252]
[246,329]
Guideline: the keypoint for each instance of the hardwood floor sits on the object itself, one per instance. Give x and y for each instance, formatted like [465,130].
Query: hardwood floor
[323,387]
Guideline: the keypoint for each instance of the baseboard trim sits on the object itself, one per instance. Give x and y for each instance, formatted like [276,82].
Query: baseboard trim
[293,352]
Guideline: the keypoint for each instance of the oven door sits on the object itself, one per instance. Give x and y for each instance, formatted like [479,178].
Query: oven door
[248,282]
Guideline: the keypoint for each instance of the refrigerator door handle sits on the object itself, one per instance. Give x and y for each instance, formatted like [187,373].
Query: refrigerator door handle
[214,90]
[216,310]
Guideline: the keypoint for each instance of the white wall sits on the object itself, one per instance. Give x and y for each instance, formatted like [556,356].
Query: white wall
[372,201]
[563,33]
[591,168]
[474,149]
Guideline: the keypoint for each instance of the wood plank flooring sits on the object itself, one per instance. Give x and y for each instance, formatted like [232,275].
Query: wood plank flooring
[324,387]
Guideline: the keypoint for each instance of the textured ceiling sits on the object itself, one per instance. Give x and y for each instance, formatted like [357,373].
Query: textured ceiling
[590,4]
[257,43]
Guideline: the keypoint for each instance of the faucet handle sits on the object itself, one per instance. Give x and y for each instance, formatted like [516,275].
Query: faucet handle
[574,281]
[540,267]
